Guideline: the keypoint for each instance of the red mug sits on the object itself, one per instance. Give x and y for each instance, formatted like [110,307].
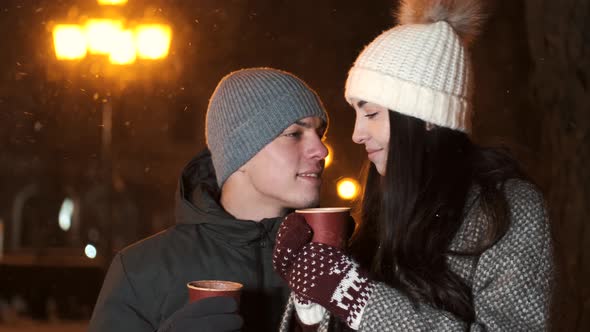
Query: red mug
[200,289]
[330,225]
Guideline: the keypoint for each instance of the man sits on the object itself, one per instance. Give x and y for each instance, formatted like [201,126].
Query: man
[264,134]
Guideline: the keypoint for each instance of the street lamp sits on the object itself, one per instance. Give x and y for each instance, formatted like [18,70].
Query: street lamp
[100,34]
[112,2]
[110,37]
[123,45]
[123,51]
[153,41]
[69,42]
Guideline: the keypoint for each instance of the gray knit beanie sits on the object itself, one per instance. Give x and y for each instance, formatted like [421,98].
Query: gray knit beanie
[250,108]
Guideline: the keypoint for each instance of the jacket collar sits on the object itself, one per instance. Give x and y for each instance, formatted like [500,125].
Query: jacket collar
[197,202]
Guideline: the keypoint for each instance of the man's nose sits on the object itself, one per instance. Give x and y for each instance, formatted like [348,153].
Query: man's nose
[318,149]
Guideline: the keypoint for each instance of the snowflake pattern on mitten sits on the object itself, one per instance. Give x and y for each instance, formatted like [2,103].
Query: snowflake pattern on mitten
[325,275]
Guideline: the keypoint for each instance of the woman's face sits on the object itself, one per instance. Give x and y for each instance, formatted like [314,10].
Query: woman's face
[371,129]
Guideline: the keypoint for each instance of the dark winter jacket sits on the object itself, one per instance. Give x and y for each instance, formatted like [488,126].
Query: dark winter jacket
[146,282]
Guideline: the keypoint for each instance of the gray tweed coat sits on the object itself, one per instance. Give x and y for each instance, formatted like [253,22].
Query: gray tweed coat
[511,281]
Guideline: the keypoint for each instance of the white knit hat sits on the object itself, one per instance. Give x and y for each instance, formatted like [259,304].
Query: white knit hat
[421,67]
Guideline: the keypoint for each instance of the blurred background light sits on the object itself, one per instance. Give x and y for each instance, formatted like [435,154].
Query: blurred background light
[90,251]
[348,188]
[69,41]
[100,34]
[65,214]
[329,157]
[123,48]
[106,36]
[153,41]
[112,2]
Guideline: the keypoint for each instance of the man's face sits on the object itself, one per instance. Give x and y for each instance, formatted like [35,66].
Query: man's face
[286,173]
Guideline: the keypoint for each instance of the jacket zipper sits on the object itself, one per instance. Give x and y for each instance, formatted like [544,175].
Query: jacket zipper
[261,246]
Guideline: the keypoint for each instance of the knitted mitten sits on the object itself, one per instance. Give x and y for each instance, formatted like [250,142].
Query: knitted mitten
[292,235]
[326,276]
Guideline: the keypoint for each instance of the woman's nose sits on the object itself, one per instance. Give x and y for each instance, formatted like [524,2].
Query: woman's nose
[358,133]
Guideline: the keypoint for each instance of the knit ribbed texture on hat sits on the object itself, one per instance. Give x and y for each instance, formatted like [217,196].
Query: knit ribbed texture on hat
[249,109]
[421,70]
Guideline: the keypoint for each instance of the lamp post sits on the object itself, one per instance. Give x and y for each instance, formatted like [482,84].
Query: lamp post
[123,46]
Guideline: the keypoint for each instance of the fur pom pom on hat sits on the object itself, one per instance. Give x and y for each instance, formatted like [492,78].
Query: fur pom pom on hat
[465,16]
[421,67]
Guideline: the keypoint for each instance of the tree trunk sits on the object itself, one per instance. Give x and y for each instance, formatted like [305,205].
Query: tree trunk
[559,45]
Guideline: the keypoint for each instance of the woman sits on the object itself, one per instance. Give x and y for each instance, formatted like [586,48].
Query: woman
[452,236]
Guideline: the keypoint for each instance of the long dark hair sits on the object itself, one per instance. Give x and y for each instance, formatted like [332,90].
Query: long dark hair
[410,216]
